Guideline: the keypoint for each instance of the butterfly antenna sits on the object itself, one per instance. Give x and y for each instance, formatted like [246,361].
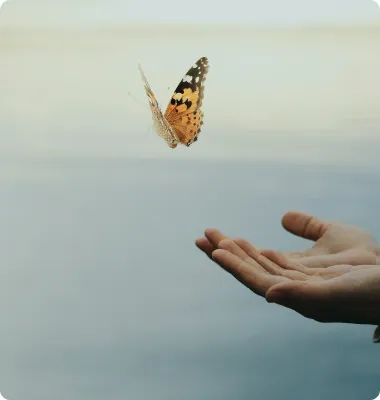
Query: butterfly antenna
[138,101]
[148,131]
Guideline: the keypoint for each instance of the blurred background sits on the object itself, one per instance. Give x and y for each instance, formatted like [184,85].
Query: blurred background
[103,293]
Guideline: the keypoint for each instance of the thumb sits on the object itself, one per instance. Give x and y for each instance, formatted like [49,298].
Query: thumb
[304,225]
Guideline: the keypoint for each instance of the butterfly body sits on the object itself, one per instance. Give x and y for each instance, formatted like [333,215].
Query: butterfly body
[183,118]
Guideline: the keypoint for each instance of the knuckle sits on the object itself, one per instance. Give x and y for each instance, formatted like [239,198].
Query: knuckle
[225,244]
[242,242]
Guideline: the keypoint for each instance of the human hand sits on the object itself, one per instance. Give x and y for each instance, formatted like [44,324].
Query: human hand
[340,293]
[335,243]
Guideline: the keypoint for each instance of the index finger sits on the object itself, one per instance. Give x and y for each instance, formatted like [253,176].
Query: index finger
[214,236]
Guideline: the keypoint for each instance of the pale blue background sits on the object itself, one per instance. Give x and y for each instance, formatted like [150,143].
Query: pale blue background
[103,293]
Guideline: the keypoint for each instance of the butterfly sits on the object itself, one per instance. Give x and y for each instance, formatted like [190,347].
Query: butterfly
[183,117]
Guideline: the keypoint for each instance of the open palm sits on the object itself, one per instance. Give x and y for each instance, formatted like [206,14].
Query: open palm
[340,293]
[335,243]
[336,280]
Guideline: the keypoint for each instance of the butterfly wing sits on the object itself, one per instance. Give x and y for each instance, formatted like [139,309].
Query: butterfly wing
[184,112]
[161,125]
[148,90]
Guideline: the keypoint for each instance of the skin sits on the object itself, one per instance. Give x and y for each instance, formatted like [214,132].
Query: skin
[337,279]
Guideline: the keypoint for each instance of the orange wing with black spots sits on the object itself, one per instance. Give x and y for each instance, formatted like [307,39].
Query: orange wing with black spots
[184,112]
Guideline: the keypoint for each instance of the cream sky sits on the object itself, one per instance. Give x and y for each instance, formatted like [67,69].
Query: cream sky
[68,95]
[258,12]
